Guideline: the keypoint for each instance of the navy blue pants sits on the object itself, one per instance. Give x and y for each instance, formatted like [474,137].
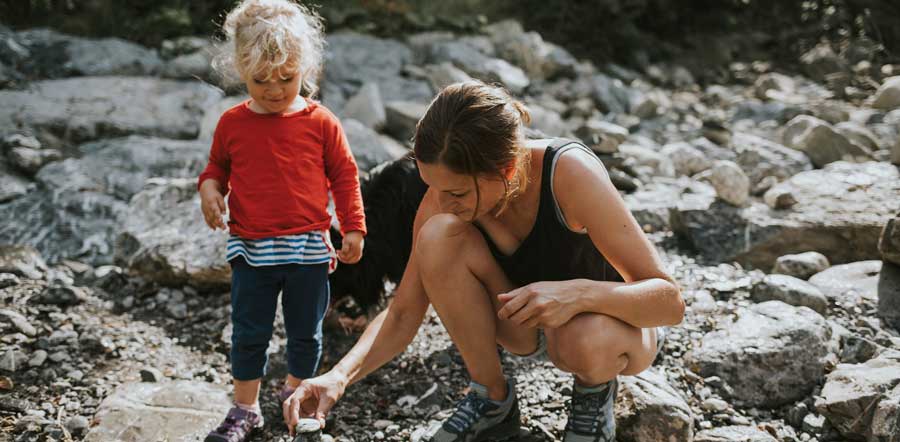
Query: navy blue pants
[254,298]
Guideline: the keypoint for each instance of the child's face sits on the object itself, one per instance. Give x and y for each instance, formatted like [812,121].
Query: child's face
[278,92]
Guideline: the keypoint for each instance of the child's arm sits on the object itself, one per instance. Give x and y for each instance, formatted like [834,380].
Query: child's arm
[342,173]
[213,182]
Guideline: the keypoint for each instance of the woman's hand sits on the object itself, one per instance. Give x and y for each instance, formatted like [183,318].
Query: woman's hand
[540,304]
[351,247]
[313,398]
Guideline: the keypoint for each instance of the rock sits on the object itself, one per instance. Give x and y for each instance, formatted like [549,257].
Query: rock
[18,321]
[857,349]
[653,202]
[734,434]
[62,296]
[895,152]
[77,425]
[163,240]
[770,355]
[688,160]
[82,109]
[889,294]
[778,198]
[19,140]
[790,290]
[820,61]
[601,136]
[8,280]
[840,213]
[75,213]
[801,265]
[30,160]
[366,107]
[887,97]
[444,74]
[886,421]
[37,358]
[649,409]
[181,410]
[729,180]
[773,86]
[528,50]
[402,117]
[13,360]
[849,283]
[465,55]
[12,184]
[821,142]
[22,261]
[547,122]
[646,161]
[853,392]
[196,65]
[151,374]
[610,94]
[760,158]
[889,243]
[368,147]
[858,135]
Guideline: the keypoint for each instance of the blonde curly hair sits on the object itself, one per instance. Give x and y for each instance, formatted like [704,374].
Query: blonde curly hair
[264,36]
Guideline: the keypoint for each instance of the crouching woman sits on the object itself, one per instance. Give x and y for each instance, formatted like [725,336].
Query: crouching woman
[525,244]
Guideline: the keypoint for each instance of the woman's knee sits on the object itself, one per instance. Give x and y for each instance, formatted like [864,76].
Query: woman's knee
[591,343]
[440,241]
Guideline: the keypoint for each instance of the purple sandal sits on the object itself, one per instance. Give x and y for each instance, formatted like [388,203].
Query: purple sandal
[236,427]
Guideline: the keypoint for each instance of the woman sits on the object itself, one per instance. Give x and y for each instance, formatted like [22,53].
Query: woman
[525,244]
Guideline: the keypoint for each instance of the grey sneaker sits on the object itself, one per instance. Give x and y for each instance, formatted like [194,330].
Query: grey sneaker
[477,418]
[591,417]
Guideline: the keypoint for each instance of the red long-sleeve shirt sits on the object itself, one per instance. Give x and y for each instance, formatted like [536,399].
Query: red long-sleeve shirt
[278,169]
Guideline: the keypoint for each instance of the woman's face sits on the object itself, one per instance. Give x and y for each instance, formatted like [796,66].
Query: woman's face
[456,192]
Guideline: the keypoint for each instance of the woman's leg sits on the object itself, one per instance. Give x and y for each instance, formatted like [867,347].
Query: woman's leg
[462,279]
[596,348]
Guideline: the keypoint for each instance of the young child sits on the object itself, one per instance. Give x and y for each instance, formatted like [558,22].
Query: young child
[277,155]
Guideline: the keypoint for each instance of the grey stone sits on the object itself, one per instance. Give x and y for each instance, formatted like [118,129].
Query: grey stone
[731,183]
[840,213]
[22,261]
[83,109]
[19,321]
[444,74]
[820,61]
[31,160]
[688,160]
[773,86]
[857,349]
[771,355]
[653,202]
[852,394]
[779,198]
[646,161]
[547,121]
[889,294]
[366,107]
[801,265]
[196,65]
[849,283]
[77,425]
[528,50]
[887,97]
[858,134]
[760,158]
[37,358]
[886,420]
[610,94]
[473,61]
[19,140]
[821,142]
[734,434]
[13,360]
[650,409]
[368,147]
[151,374]
[163,241]
[790,290]
[63,296]
[182,410]
[889,243]
[402,117]
[601,136]
[12,184]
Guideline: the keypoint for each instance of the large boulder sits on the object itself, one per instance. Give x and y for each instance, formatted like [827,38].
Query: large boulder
[528,50]
[369,148]
[887,97]
[173,411]
[771,354]
[855,393]
[50,54]
[163,238]
[822,142]
[74,212]
[761,158]
[649,410]
[83,109]
[840,212]
[473,61]
[850,283]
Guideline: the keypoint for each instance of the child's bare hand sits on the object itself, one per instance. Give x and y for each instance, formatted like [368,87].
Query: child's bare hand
[212,203]
[352,247]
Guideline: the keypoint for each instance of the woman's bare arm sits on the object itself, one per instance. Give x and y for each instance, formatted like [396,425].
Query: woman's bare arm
[588,199]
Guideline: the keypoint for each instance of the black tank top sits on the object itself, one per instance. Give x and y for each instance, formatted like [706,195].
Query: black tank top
[552,251]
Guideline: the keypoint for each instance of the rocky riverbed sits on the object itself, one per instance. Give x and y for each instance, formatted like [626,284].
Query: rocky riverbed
[773,198]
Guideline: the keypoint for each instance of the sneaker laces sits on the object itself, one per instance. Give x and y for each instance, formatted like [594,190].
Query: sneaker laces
[586,414]
[468,410]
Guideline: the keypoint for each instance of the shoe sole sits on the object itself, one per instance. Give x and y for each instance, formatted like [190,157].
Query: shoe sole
[508,429]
